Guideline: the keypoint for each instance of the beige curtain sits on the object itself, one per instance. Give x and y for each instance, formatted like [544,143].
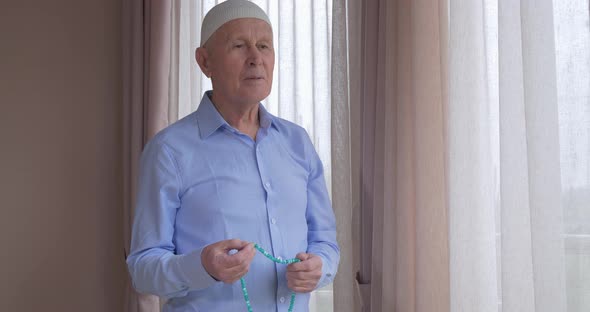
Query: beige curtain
[456,181]
[400,97]
[146,66]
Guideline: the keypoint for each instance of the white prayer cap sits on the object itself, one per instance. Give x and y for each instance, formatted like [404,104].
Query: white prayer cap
[227,11]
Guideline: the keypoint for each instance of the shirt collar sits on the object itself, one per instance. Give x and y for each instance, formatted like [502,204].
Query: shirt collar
[209,119]
[266,119]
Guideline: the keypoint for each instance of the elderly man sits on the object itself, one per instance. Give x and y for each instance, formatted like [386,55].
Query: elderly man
[227,176]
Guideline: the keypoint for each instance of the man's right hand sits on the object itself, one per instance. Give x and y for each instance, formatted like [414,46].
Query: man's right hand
[225,267]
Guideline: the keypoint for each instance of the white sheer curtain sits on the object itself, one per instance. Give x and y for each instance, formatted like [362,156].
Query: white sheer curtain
[301,89]
[531,218]
[537,88]
[532,155]
[475,166]
[544,147]
[572,41]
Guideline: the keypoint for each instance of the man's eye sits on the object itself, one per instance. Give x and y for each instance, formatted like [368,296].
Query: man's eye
[238,46]
[263,46]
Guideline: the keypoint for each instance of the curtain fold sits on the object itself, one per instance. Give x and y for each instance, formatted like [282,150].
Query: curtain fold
[342,198]
[146,110]
[533,276]
[469,165]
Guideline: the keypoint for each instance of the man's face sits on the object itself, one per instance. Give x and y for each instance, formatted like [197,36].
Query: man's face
[240,60]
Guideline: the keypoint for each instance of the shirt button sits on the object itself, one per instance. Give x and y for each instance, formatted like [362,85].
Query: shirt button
[282,299]
[273,220]
[267,184]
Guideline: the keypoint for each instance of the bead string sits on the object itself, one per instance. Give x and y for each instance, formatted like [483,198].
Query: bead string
[269,256]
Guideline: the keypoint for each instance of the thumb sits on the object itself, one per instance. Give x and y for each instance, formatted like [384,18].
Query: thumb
[230,244]
[303,256]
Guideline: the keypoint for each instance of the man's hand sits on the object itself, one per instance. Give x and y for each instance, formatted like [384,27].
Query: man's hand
[304,276]
[226,267]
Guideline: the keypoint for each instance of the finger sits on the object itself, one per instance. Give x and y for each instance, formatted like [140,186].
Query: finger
[302,289]
[222,266]
[308,280]
[311,264]
[230,275]
[299,279]
[233,277]
[301,286]
[304,276]
[239,261]
[298,267]
[222,247]
[247,251]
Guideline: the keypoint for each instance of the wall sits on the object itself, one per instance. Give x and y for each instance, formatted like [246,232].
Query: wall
[60,156]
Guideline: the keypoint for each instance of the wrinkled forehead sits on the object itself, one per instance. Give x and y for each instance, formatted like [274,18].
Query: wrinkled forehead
[229,11]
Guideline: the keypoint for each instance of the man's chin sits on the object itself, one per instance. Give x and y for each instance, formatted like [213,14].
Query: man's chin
[255,96]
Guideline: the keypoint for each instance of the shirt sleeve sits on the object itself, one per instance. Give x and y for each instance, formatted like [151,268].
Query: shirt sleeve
[154,266]
[321,222]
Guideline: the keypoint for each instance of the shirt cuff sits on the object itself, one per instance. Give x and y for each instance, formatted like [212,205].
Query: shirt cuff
[327,273]
[196,277]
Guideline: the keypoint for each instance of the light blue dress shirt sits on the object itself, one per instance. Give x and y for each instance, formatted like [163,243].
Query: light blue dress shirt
[202,181]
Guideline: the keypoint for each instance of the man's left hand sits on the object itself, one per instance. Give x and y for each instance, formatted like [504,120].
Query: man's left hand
[304,276]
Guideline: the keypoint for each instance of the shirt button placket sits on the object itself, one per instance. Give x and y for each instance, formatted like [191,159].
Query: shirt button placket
[272,218]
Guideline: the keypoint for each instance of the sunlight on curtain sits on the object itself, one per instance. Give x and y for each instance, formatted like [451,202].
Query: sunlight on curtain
[572,36]
[572,42]
[301,84]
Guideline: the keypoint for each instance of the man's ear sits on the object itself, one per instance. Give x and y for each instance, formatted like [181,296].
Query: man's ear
[202,57]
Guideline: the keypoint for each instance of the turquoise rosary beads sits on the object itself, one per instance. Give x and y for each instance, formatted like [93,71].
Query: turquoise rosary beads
[269,256]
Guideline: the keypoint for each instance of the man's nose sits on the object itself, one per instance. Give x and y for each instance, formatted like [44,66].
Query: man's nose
[254,56]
